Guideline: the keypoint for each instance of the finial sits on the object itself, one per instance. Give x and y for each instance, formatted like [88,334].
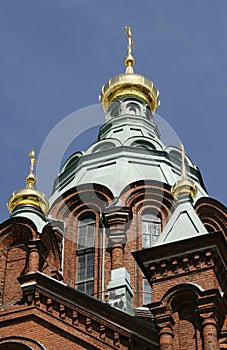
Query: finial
[31,178]
[29,196]
[184,185]
[33,160]
[183,167]
[130,41]
[129,60]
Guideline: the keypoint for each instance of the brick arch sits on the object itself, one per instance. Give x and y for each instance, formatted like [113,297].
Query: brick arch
[139,196]
[171,293]
[156,194]
[75,202]
[203,311]
[51,262]
[9,345]
[16,231]
[88,198]
[223,342]
[212,213]
[19,343]
[93,196]
[182,300]
[161,211]
[176,296]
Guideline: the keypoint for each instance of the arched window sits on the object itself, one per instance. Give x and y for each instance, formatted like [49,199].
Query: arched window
[133,108]
[151,229]
[144,145]
[85,253]
[104,146]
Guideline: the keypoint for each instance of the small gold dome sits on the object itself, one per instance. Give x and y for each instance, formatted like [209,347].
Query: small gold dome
[185,186]
[129,84]
[29,195]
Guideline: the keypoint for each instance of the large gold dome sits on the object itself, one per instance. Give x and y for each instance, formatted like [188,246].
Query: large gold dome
[130,84]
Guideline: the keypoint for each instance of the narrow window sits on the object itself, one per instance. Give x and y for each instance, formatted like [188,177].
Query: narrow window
[147,292]
[85,255]
[151,229]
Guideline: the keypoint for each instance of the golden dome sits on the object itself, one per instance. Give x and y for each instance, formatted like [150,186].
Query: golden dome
[184,185]
[130,84]
[29,195]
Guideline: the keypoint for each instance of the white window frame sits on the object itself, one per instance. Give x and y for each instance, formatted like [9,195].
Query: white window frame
[86,234]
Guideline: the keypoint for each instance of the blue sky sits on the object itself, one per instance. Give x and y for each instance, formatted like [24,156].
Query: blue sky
[57,54]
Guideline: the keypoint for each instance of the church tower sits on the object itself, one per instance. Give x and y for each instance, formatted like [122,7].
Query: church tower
[116,198]
[128,253]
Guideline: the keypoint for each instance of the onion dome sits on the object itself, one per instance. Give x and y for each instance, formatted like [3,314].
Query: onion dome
[130,84]
[29,195]
[184,185]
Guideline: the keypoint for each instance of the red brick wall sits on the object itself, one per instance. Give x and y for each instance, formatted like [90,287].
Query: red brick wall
[206,279]
[15,263]
[157,197]
[48,336]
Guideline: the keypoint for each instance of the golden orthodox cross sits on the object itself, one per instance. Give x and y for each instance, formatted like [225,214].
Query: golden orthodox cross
[130,40]
[33,161]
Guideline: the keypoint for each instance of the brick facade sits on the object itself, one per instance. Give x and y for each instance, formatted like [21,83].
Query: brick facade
[188,279]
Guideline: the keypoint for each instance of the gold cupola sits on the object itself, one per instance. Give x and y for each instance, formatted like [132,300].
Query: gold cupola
[130,84]
[184,185]
[29,195]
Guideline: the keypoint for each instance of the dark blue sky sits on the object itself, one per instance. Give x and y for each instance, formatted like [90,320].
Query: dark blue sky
[56,55]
